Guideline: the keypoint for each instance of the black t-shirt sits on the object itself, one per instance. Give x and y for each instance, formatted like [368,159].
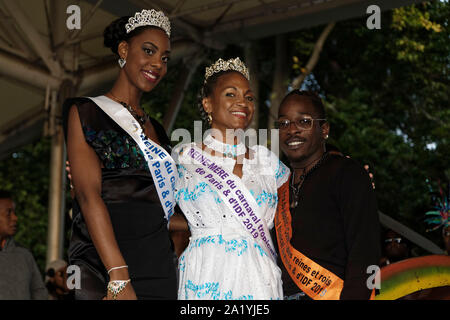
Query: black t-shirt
[336,224]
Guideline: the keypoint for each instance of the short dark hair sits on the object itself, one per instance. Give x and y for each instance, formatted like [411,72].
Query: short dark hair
[5,194]
[313,97]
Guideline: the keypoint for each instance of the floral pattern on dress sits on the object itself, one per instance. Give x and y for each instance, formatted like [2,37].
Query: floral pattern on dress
[115,150]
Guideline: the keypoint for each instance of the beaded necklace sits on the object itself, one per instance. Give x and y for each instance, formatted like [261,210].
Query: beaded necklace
[140,119]
[231,151]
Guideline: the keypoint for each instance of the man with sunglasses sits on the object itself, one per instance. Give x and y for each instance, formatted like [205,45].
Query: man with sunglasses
[327,225]
[395,248]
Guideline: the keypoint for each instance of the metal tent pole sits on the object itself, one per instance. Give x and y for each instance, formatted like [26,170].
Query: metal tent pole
[55,235]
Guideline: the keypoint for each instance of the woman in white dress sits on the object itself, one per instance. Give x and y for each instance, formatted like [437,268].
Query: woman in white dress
[223,260]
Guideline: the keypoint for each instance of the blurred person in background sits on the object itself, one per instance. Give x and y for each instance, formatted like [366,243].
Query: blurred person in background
[395,248]
[20,278]
[56,281]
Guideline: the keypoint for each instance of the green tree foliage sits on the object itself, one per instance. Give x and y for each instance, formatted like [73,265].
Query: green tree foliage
[25,175]
[387,95]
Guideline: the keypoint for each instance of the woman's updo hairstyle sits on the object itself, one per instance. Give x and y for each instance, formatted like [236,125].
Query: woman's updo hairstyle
[116,32]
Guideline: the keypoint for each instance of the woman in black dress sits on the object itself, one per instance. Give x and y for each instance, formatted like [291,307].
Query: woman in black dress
[119,229]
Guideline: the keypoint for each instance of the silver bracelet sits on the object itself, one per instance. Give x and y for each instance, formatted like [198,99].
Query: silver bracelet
[115,268]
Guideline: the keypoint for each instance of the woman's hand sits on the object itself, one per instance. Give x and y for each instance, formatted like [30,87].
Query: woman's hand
[368,171]
[370,175]
[128,292]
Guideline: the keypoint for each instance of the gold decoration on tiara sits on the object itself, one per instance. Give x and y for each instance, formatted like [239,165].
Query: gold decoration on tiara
[149,18]
[230,65]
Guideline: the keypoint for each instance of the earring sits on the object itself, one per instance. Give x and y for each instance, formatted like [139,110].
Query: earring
[122,62]
[209,119]
[326,137]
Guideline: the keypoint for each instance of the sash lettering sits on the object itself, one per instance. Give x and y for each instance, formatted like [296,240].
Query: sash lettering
[159,162]
[314,280]
[233,193]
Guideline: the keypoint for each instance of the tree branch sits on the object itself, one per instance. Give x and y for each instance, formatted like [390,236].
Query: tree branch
[297,82]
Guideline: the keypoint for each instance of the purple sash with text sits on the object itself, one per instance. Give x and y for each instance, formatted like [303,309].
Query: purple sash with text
[233,193]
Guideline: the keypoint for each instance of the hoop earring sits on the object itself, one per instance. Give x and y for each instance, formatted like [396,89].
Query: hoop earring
[121,62]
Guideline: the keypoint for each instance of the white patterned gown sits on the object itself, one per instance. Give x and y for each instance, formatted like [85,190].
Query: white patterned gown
[222,260]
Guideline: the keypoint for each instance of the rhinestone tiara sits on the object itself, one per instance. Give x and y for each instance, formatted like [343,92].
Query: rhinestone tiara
[232,64]
[149,18]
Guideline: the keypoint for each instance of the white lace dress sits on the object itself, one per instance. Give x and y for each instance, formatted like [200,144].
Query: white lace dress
[222,260]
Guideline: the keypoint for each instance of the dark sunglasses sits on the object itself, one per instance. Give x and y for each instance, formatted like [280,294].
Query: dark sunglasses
[398,240]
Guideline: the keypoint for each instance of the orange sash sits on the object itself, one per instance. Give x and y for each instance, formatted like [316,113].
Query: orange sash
[314,280]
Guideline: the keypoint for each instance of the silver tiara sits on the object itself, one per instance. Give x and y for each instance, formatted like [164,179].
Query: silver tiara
[149,18]
[233,64]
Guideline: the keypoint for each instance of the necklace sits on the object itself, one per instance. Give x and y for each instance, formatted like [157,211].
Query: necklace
[140,119]
[296,189]
[231,151]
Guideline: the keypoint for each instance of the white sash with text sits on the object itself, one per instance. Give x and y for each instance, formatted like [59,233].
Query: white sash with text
[160,163]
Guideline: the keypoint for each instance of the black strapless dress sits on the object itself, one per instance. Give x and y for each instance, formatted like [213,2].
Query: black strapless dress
[136,214]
